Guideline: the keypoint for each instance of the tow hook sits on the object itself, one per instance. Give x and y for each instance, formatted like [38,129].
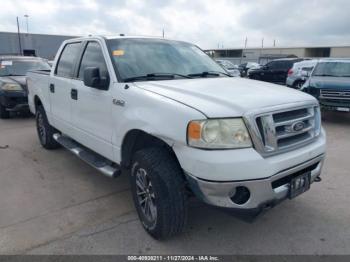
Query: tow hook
[318,179]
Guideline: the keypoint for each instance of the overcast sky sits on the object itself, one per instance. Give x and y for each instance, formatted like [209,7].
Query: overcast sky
[208,23]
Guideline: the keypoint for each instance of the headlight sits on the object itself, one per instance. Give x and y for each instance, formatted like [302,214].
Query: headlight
[11,87]
[218,134]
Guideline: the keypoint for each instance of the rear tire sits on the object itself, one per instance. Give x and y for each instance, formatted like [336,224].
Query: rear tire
[298,85]
[4,114]
[45,130]
[157,177]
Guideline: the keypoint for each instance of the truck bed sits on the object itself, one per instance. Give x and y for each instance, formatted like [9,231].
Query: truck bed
[38,85]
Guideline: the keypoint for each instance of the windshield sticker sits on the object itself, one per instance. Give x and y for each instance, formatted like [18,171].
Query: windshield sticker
[118,52]
[6,63]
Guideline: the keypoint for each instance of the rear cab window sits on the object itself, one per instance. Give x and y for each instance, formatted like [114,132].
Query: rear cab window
[67,60]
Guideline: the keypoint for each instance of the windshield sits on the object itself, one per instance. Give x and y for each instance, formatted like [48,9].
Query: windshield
[227,64]
[336,69]
[21,67]
[140,57]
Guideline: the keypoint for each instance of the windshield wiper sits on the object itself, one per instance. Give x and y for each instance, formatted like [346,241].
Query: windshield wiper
[209,73]
[154,76]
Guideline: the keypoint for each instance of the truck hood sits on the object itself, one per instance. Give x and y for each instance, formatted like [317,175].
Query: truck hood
[225,97]
[330,82]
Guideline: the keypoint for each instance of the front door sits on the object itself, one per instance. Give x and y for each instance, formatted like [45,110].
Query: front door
[91,107]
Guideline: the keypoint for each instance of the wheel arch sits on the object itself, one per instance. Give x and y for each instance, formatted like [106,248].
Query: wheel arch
[137,139]
[37,102]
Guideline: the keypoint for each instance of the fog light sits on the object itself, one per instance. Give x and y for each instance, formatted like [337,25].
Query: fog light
[241,195]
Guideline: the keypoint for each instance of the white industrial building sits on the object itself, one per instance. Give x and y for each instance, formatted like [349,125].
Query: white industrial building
[40,45]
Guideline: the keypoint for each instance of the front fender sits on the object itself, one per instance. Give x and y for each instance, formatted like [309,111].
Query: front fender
[153,114]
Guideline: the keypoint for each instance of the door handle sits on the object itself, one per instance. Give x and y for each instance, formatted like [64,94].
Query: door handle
[74,94]
[52,88]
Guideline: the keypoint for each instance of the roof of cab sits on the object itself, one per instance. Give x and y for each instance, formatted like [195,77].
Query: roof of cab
[108,37]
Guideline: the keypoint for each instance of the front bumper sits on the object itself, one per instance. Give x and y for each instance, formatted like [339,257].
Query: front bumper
[333,105]
[263,192]
[214,175]
[14,101]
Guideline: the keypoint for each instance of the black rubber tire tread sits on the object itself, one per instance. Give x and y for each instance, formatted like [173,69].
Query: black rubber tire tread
[3,113]
[171,198]
[295,84]
[50,143]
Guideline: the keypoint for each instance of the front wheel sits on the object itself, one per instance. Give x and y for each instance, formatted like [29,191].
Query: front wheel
[159,193]
[45,130]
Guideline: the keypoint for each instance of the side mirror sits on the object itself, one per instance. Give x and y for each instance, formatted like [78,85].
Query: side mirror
[92,78]
[265,67]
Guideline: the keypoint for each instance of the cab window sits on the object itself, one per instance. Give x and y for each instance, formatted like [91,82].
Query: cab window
[93,57]
[67,60]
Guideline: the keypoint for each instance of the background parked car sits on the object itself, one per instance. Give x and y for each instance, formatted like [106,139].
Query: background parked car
[230,67]
[275,71]
[13,86]
[330,84]
[298,74]
[253,67]
[243,68]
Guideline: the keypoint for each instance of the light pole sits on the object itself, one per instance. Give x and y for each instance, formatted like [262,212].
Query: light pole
[27,16]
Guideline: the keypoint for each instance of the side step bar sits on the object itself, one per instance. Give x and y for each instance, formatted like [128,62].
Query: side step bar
[102,164]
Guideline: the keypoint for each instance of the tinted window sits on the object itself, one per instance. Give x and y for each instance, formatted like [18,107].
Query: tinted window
[286,65]
[273,65]
[308,69]
[280,65]
[67,60]
[93,57]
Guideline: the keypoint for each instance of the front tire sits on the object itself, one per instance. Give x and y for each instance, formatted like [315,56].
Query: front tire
[4,114]
[45,130]
[159,193]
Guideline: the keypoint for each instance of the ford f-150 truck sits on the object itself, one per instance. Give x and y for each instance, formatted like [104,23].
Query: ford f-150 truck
[174,120]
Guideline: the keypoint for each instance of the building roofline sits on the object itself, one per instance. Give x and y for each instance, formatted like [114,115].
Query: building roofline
[23,33]
[277,47]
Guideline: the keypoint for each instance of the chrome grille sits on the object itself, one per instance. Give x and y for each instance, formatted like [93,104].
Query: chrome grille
[335,94]
[285,129]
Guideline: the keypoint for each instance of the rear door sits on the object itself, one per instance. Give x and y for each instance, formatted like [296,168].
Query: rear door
[267,74]
[60,86]
[91,108]
[282,73]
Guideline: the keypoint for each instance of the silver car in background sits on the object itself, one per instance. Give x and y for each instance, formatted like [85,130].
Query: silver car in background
[231,68]
[298,74]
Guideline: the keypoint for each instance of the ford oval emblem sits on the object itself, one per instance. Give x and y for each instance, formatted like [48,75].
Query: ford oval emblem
[298,126]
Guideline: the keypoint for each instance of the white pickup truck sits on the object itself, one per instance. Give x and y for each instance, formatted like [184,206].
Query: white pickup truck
[171,117]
